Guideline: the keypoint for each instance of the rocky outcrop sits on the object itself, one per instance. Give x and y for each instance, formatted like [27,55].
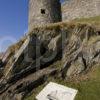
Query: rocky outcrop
[82,51]
[77,46]
[23,87]
[1,55]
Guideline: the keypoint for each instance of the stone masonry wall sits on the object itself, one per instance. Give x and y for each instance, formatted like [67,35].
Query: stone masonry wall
[72,9]
[42,12]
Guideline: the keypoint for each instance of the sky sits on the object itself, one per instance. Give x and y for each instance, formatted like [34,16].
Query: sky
[13,21]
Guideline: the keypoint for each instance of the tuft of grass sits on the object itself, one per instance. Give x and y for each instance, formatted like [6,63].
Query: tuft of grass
[95,21]
[16,46]
[90,19]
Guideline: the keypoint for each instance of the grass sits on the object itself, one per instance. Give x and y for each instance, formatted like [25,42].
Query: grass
[88,85]
[90,19]
[95,21]
[82,22]
[88,89]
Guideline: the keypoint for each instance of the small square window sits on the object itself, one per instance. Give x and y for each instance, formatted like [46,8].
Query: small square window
[42,11]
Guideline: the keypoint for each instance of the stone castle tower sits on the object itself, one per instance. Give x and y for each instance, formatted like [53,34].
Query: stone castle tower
[72,9]
[43,12]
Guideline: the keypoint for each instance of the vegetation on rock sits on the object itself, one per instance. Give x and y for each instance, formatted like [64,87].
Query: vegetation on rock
[64,53]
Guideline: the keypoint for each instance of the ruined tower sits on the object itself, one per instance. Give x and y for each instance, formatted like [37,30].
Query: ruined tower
[42,12]
[72,9]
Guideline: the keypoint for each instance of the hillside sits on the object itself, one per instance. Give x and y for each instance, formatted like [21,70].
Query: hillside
[66,53]
[87,85]
[90,20]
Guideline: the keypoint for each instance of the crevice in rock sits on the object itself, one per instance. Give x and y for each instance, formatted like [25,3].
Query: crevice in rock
[19,86]
[84,62]
[98,32]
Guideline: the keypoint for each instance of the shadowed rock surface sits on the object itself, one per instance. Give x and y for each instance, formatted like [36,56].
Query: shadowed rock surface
[77,46]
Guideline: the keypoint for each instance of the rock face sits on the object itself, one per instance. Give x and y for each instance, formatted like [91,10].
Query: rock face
[82,51]
[1,55]
[77,46]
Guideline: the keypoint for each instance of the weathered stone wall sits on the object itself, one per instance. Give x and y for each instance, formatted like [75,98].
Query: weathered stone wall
[72,9]
[42,12]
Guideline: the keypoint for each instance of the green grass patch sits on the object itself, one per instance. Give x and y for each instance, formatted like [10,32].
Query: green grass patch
[87,89]
[90,19]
